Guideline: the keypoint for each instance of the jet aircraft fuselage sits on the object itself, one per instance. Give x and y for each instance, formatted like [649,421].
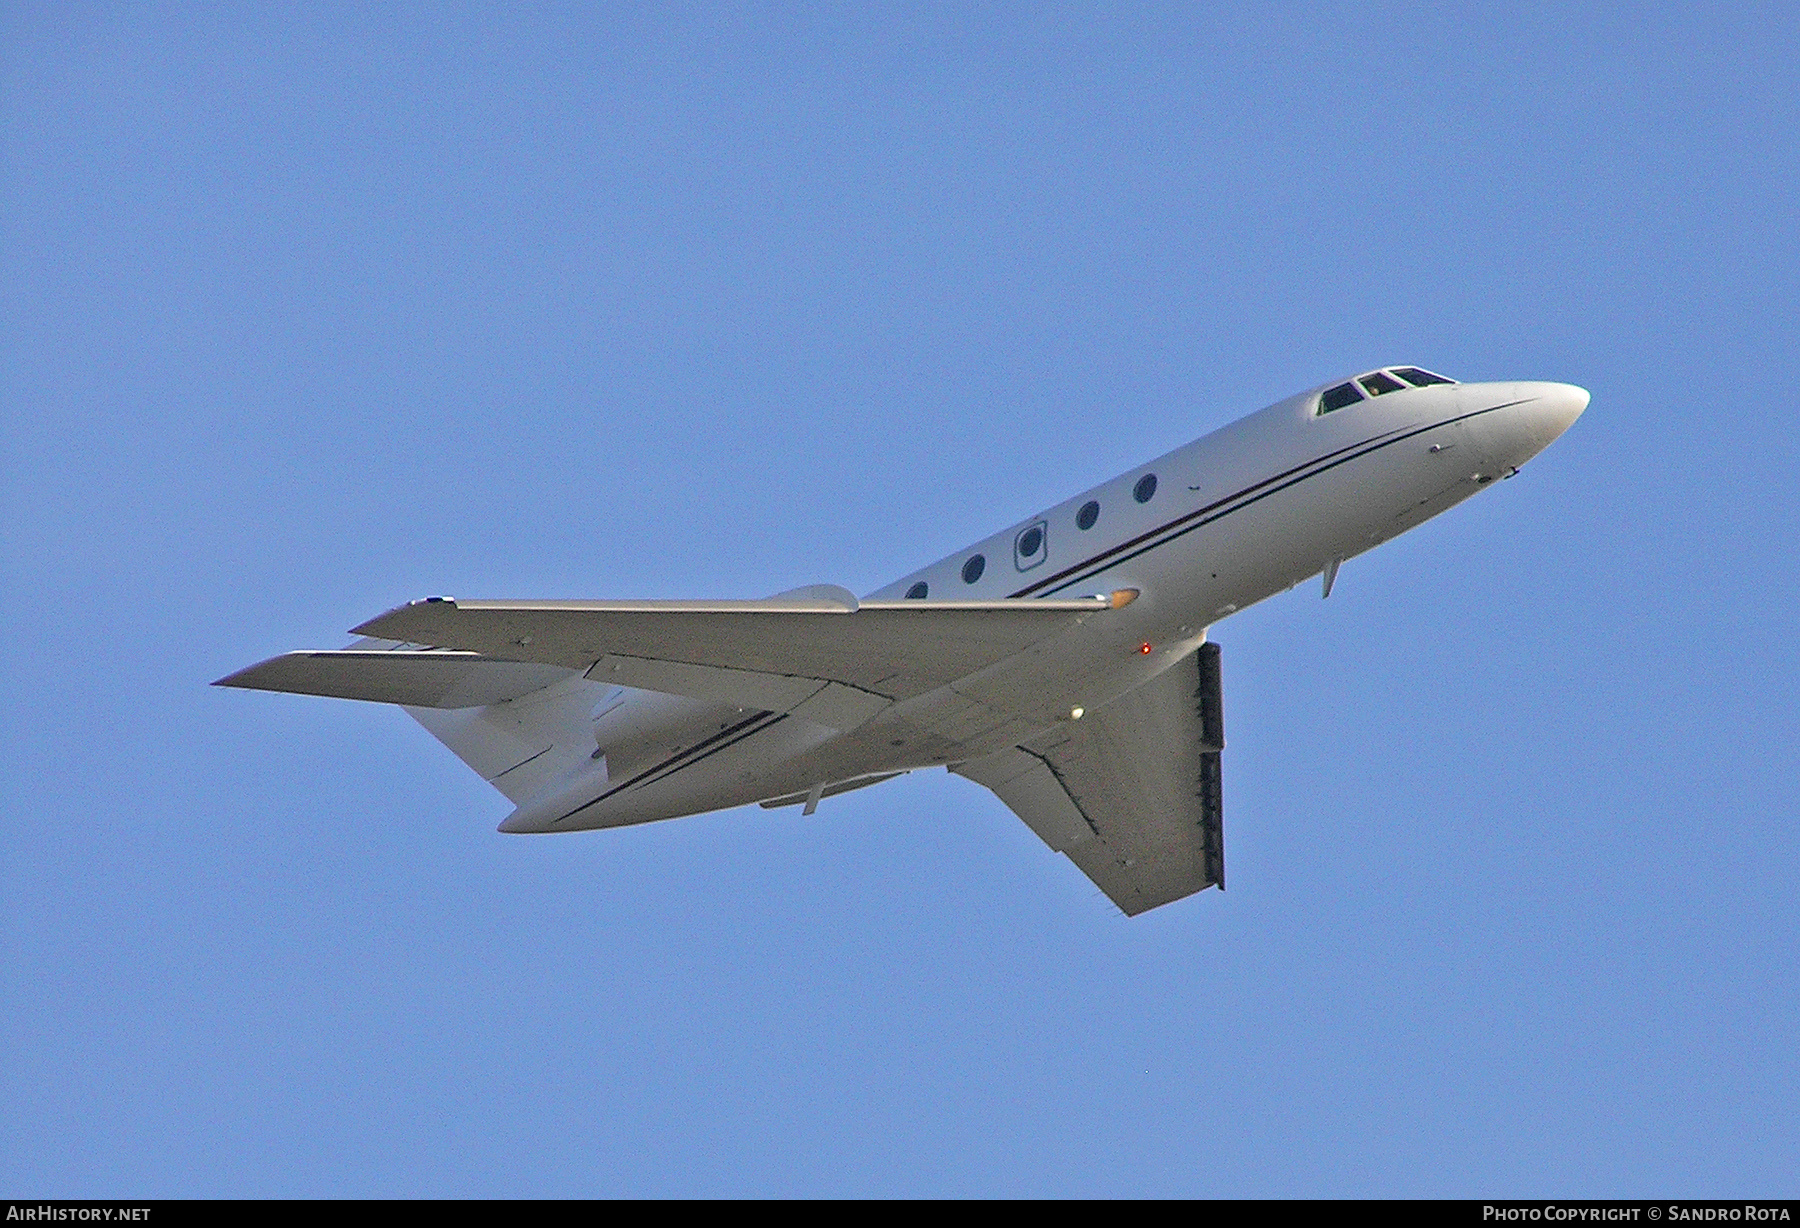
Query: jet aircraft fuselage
[1060,661]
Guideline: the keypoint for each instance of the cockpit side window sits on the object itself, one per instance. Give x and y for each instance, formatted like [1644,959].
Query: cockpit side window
[1380,382]
[1420,379]
[1338,398]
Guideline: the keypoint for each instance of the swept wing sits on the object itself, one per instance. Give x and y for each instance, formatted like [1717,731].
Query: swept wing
[1130,793]
[830,659]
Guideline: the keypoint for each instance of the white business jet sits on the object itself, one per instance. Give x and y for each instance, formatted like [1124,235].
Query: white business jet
[1063,662]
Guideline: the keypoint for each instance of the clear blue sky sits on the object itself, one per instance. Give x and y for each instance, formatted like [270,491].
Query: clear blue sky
[309,311]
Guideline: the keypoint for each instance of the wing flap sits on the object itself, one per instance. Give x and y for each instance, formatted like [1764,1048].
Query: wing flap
[414,679]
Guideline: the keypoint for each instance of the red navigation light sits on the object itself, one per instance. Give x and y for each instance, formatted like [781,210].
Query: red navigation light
[1144,649]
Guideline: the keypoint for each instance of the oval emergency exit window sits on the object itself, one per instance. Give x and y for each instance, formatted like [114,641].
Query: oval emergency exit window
[1028,547]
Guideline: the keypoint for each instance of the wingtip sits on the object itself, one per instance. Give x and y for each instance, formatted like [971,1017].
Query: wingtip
[373,627]
[235,679]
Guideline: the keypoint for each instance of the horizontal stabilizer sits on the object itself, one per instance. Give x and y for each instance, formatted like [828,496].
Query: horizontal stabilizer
[889,650]
[416,679]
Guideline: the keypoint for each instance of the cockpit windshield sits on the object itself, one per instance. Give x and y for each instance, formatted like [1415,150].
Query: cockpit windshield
[1337,398]
[1375,384]
[1418,378]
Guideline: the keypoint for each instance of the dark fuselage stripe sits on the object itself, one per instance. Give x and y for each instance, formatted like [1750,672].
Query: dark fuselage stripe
[1143,537]
[748,733]
[1254,493]
[692,754]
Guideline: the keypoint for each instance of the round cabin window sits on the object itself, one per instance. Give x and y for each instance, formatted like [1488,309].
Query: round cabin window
[1145,488]
[918,591]
[1089,513]
[973,568]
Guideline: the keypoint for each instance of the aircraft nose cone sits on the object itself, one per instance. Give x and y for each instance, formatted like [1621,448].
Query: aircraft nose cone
[1554,409]
[1528,419]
